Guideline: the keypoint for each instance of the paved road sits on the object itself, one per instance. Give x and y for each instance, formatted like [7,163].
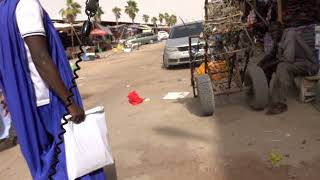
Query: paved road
[170,140]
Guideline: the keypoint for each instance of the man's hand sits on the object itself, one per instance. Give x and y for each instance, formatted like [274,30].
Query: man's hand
[77,114]
[4,104]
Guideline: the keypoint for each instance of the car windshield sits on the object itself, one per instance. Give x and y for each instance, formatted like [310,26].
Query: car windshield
[186,31]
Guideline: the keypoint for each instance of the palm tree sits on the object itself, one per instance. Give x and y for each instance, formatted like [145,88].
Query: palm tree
[154,20]
[132,9]
[173,20]
[167,18]
[117,13]
[100,12]
[146,18]
[71,11]
[161,18]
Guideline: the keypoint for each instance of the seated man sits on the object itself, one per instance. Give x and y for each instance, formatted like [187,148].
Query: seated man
[289,58]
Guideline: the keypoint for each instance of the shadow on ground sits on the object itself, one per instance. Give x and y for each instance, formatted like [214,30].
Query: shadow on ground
[180,133]
[194,106]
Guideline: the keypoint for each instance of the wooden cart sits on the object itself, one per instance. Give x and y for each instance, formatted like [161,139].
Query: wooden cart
[225,68]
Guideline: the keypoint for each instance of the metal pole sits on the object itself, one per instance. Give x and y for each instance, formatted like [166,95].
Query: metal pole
[191,67]
[279,2]
[206,10]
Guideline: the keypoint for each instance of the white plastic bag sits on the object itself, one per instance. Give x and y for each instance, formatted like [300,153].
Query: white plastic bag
[87,146]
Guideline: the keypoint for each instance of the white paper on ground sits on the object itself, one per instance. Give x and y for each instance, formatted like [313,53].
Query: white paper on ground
[175,95]
[87,145]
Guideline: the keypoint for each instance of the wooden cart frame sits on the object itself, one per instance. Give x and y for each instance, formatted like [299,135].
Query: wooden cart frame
[242,76]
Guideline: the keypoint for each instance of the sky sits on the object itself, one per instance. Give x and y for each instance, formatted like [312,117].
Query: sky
[188,10]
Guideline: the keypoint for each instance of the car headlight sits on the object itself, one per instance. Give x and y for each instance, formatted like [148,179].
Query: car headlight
[171,49]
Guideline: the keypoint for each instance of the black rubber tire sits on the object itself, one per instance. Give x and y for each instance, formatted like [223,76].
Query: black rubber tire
[258,95]
[165,64]
[205,94]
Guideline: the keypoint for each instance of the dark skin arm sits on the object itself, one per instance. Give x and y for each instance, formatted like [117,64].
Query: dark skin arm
[49,73]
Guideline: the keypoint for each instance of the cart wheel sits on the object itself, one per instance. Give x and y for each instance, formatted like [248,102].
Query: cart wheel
[205,93]
[258,95]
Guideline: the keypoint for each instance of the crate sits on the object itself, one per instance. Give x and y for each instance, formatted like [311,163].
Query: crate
[307,87]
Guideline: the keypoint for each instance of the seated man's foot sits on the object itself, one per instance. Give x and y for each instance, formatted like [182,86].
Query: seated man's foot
[277,108]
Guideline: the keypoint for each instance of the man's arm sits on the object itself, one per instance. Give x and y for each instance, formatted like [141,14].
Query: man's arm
[49,73]
[269,58]
[305,50]
[289,47]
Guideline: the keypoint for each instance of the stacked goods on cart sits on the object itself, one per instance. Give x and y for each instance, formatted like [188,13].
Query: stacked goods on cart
[219,70]
[216,67]
[223,17]
[220,28]
[220,8]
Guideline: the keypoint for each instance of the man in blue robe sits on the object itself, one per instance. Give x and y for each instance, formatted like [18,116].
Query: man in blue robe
[35,77]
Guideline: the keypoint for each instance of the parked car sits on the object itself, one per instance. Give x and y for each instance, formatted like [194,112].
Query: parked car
[143,38]
[162,35]
[176,50]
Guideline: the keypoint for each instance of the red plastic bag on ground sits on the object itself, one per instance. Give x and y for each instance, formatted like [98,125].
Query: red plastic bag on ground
[134,98]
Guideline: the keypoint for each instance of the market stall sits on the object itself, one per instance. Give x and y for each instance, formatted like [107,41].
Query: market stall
[234,31]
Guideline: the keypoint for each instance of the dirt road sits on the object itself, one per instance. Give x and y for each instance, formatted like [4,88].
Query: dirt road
[170,140]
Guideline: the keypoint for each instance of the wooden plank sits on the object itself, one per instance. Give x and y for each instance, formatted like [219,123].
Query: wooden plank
[224,18]
[312,78]
[231,91]
[307,94]
[231,52]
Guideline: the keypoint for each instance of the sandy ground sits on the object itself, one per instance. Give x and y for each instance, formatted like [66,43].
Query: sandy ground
[170,140]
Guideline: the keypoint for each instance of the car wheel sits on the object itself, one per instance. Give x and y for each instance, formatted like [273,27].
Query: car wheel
[165,64]
[151,41]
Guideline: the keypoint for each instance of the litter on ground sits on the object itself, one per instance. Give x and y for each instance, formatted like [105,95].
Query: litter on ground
[134,98]
[175,95]
[275,158]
